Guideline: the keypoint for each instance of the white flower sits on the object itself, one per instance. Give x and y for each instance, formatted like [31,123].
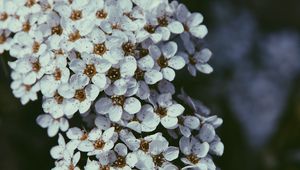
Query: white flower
[122,160]
[95,165]
[194,151]
[5,41]
[56,75]
[187,124]
[166,60]
[23,91]
[28,44]
[198,61]
[114,106]
[207,133]
[83,92]
[92,68]
[59,106]
[32,68]
[52,125]
[144,121]
[191,21]
[69,162]
[62,149]
[162,153]
[167,111]
[93,142]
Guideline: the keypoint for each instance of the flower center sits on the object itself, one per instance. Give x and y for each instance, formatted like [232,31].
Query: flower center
[144,145]
[186,28]
[101,14]
[71,167]
[114,74]
[150,29]
[118,100]
[163,21]
[76,15]
[128,48]
[100,49]
[2,39]
[30,3]
[80,95]
[3,16]
[139,74]
[58,52]
[35,47]
[74,36]
[104,167]
[57,30]
[144,52]
[27,87]
[36,66]
[193,158]
[192,60]
[26,27]
[99,144]
[90,70]
[84,136]
[59,99]
[161,111]
[115,26]
[117,127]
[120,162]
[57,74]
[158,159]
[162,62]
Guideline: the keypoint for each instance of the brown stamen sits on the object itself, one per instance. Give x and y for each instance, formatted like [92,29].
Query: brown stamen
[158,159]
[59,99]
[27,87]
[2,38]
[99,144]
[144,145]
[30,3]
[150,29]
[84,136]
[80,95]
[139,74]
[35,47]
[57,74]
[120,162]
[162,62]
[57,30]
[104,167]
[163,21]
[100,49]
[118,100]
[26,27]
[192,60]
[144,52]
[90,70]
[193,158]
[101,14]
[3,16]
[114,74]
[36,66]
[76,15]
[74,36]
[186,28]
[161,111]
[128,48]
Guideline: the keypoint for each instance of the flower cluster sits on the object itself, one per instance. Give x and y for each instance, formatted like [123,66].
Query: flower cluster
[113,63]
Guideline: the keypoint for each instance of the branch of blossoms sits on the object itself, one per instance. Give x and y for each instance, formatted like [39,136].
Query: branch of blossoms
[112,63]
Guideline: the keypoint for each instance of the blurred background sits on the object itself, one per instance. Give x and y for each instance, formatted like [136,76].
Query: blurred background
[255,88]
